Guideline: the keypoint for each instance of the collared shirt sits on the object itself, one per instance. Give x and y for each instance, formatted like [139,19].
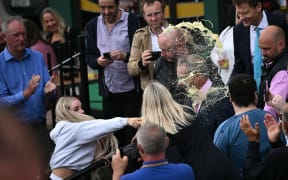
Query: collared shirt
[116,74]
[165,171]
[14,78]
[279,86]
[203,91]
[263,24]
[154,41]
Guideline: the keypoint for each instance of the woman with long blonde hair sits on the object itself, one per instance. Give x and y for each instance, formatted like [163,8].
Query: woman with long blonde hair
[63,38]
[81,139]
[159,107]
[189,141]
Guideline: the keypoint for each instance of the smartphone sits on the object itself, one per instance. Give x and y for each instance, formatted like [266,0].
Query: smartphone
[266,92]
[155,55]
[107,55]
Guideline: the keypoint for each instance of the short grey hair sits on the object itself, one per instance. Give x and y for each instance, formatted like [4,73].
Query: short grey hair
[195,64]
[152,138]
[10,19]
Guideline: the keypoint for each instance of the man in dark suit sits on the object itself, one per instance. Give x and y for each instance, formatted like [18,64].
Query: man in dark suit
[251,15]
[209,100]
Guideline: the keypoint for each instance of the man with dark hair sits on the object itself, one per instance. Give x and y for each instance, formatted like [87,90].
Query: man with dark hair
[228,137]
[108,41]
[141,63]
[274,165]
[151,143]
[253,20]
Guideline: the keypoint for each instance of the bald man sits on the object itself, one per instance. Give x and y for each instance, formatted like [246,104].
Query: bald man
[274,72]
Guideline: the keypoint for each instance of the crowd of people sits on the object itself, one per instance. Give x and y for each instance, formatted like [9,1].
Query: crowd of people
[197,106]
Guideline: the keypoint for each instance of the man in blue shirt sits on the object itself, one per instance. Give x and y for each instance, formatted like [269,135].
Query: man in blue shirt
[151,143]
[24,78]
[25,83]
[228,136]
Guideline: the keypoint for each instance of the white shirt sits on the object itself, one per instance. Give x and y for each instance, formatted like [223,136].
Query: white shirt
[154,41]
[263,24]
[227,52]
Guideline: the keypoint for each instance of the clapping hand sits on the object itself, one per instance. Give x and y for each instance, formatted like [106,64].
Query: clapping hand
[49,86]
[33,84]
[251,133]
[273,128]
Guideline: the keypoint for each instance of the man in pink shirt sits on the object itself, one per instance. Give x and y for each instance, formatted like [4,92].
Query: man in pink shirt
[274,79]
[210,101]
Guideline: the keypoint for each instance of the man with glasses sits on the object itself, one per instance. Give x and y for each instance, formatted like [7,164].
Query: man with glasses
[172,44]
[145,41]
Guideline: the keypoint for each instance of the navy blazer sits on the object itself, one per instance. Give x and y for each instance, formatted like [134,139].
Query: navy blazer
[242,53]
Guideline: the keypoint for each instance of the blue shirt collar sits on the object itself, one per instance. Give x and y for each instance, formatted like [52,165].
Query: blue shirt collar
[8,56]
[154,162]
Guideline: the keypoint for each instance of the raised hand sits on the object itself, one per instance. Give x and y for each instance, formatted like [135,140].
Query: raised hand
[49,86]
[273,128]
[245,125]
[33,84]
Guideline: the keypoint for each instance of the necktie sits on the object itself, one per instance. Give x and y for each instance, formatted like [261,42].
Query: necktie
[257,59]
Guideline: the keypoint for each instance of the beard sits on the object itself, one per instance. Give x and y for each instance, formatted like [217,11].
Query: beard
[266,60]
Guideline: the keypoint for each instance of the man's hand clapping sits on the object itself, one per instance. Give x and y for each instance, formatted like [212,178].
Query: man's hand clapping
[33,84]
[49,86]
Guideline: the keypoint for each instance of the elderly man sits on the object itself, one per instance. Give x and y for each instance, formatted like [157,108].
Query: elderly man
[178,42]
[209,101]
[274,72]
[172,44]
[25,83]
[151,143]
